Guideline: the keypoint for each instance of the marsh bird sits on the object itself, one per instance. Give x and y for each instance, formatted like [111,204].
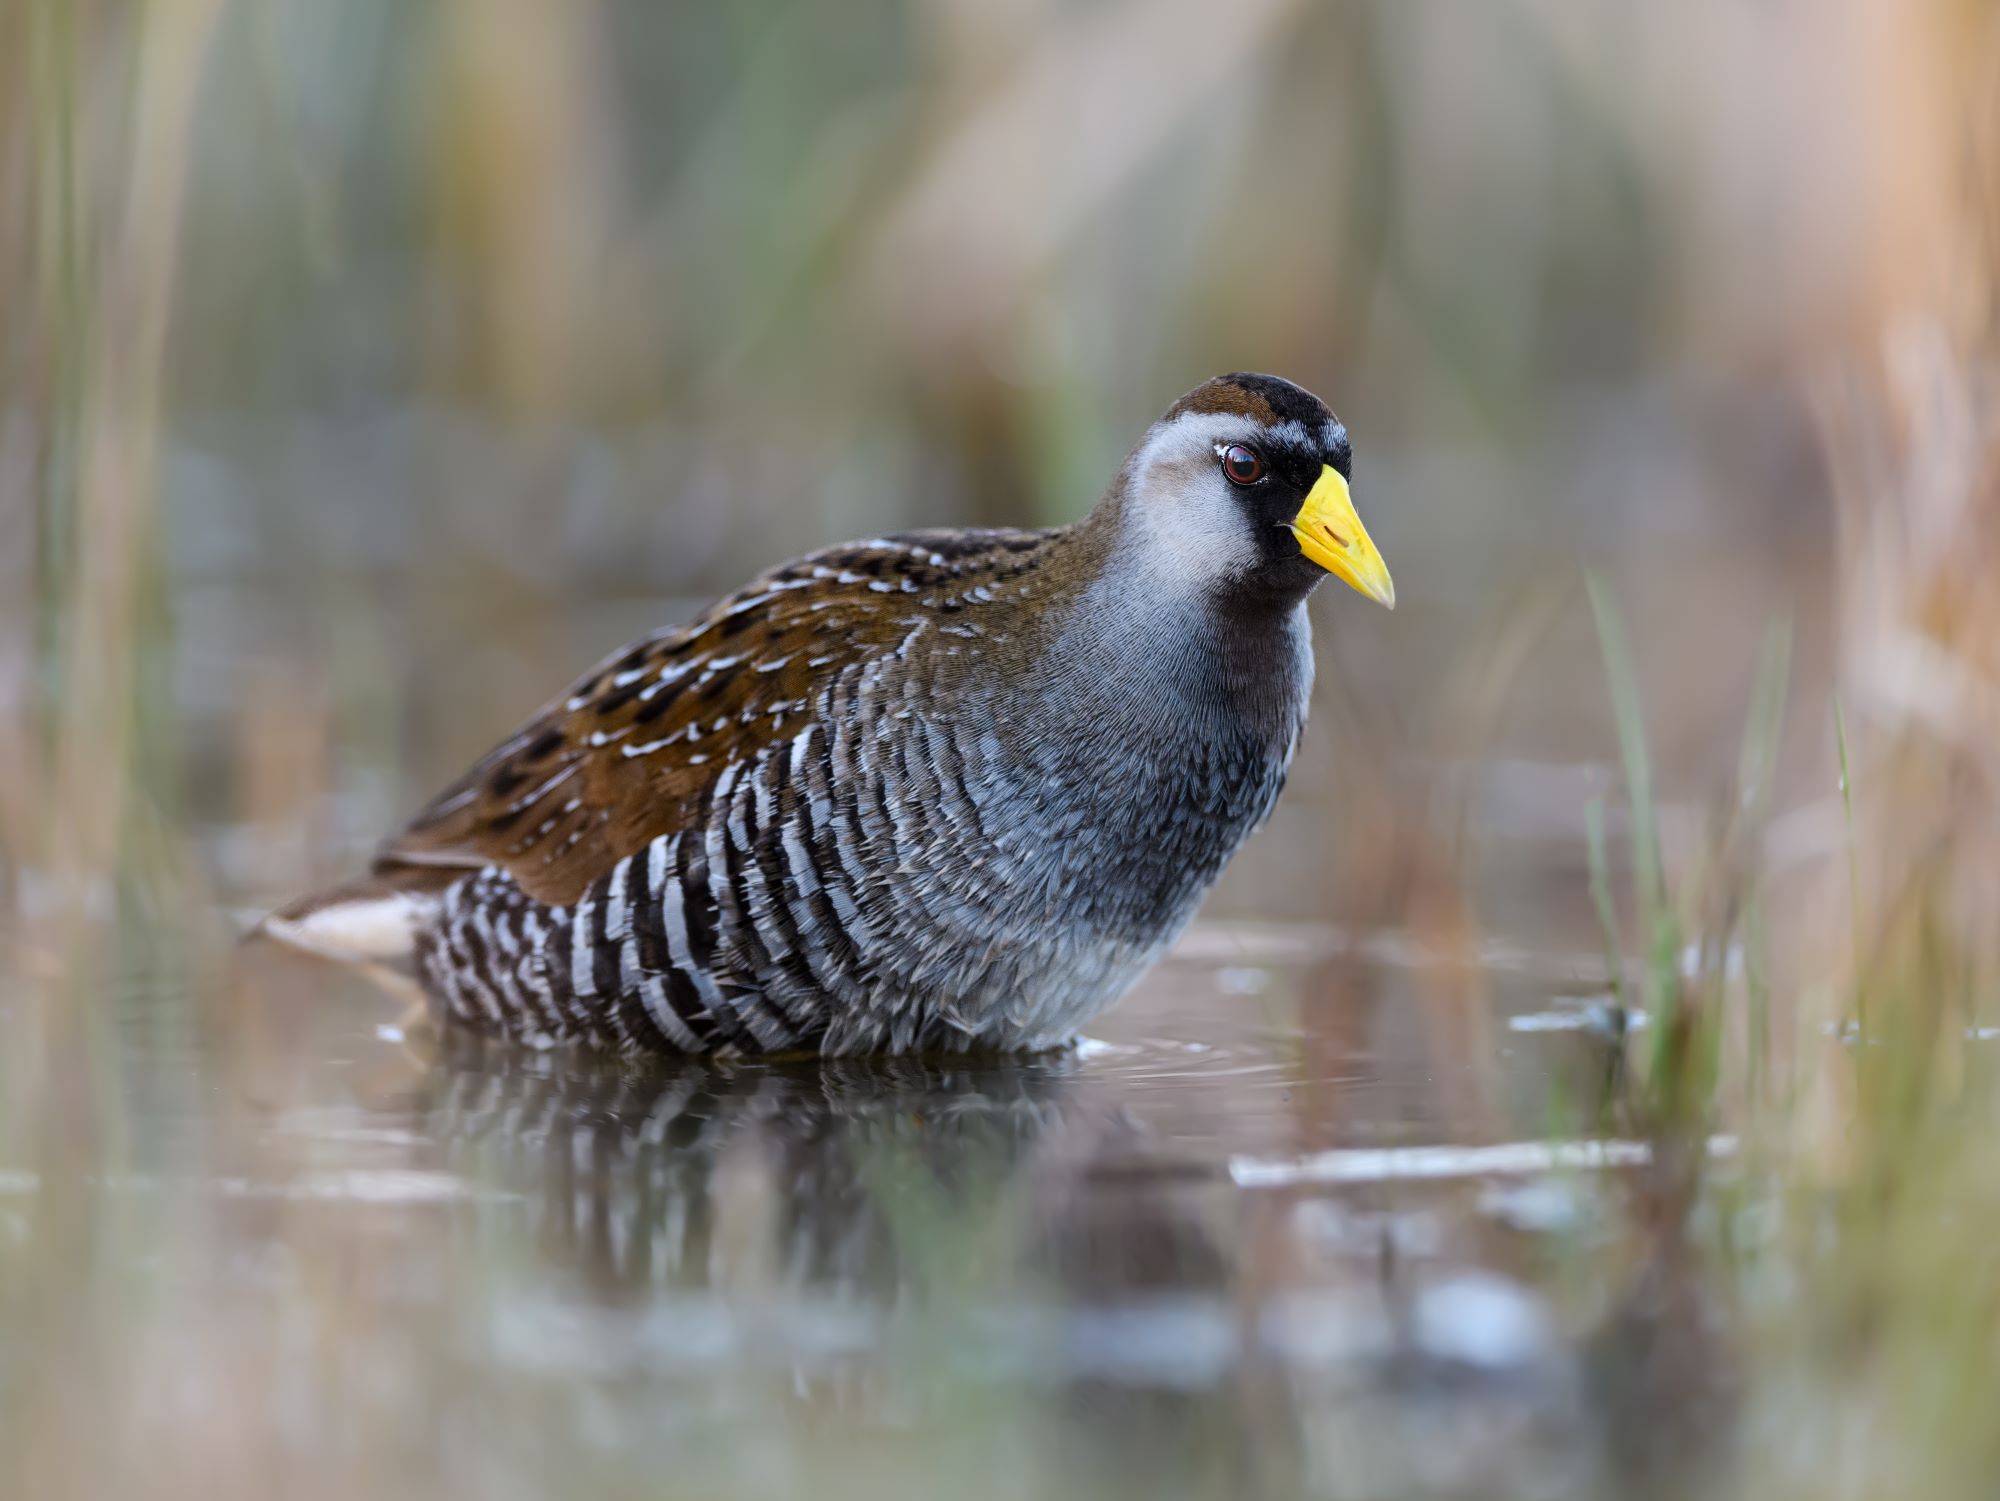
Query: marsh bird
[945,790]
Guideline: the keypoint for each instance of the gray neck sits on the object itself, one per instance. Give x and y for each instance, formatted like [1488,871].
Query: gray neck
[1168,667]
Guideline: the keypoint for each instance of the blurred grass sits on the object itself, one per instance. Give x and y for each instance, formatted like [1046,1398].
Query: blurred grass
[368,368]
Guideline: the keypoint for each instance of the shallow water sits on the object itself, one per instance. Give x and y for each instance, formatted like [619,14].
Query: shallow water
[1319,1210]
[1212,1249]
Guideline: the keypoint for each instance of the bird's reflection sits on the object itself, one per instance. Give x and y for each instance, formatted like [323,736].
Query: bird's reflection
[1009,1205]
[867,1177]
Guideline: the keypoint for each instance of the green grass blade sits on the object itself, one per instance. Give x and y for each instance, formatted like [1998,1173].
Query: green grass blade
[1757,778]
[1648,882]
[1853,863]
[1600,895]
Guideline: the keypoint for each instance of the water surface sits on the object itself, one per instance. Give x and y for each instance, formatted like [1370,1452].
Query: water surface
[1220,1247]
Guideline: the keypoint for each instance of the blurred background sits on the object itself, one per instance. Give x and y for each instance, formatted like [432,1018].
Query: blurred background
[435,350]
[368,370]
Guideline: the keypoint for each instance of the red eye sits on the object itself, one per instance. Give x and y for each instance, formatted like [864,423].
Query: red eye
[1244,466]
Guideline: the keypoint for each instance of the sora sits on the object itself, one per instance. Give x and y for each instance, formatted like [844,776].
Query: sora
[944,790]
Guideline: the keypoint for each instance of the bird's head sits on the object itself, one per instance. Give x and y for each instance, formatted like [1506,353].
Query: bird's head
[1241,489]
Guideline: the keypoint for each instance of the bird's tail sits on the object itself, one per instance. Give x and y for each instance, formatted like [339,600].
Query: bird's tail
[373,919]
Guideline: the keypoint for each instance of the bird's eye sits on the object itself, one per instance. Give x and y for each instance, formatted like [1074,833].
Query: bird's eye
[1244,466]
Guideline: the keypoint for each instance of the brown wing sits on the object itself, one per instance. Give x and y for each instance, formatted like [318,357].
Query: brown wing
[631,751]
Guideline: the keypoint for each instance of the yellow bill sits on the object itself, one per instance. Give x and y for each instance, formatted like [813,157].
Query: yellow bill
[1332,536]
